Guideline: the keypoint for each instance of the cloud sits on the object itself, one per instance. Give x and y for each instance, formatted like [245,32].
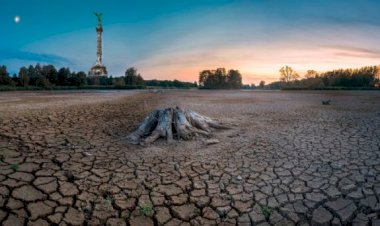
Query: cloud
[7,54]
[350,51]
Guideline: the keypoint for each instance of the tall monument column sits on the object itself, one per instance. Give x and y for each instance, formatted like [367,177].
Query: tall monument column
[99,69]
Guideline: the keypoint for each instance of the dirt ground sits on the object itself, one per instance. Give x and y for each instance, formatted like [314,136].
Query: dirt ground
[287,160]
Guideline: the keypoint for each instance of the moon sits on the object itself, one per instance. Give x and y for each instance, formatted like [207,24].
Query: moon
[17,19]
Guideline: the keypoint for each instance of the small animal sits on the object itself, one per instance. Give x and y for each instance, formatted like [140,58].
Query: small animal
[326,102]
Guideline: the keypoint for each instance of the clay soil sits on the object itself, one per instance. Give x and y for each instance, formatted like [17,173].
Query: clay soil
[287,159]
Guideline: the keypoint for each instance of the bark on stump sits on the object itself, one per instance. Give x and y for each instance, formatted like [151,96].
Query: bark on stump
[173,123]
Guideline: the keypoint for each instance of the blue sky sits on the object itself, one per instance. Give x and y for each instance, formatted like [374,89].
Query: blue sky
[175,39]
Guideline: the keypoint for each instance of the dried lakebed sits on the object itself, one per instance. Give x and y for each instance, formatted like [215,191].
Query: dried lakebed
[289,160]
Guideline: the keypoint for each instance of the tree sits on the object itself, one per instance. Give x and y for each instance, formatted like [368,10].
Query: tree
[219,79]
[5,79]
[234,79]
[262,84]
[23,77]
[311,74]
[132,78]
[118,82]
[63,75]
[377,73]
[42,82]
[77,79]
[203,76]
[288,74]
[105,81]
[31,75]
[50,73]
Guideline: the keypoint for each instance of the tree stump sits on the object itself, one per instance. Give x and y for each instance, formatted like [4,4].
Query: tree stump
[171,124]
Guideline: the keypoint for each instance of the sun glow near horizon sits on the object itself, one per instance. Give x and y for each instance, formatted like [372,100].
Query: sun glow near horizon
[257,65]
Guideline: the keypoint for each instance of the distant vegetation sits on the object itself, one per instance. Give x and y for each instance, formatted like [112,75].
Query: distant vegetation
[220,79]
[362,78]
[170,84]
[48,77]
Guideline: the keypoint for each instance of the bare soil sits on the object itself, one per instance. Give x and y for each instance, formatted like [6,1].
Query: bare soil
[287,159]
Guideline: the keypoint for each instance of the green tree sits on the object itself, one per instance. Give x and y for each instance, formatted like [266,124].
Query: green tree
[288,74]
[77,79]
[23,77]
[93,80]
[42,82]
[50,73]
[32,75]
[81,78]
[63,76]
[118,82]
[105,81]
[5,79]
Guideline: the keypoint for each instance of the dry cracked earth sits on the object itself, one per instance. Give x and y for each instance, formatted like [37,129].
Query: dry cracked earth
[287,160]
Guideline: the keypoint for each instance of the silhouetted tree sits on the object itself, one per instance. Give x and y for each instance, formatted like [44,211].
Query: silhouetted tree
[311,74]
[169,84]
[377,73]
[288,74]
[132,78]
[234,79]
[362,77]
[203,76]
[219,79]
[262,84]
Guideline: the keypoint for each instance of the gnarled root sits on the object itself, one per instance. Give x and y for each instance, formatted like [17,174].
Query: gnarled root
[184,124]
[183,127]
[145,128]
[203,122]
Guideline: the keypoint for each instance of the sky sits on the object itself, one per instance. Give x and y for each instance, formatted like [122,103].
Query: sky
[176,39]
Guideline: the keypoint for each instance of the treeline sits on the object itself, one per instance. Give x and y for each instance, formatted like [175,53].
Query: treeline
[48,77]
[360,78]
[220,79]
[170,84]
[42,76]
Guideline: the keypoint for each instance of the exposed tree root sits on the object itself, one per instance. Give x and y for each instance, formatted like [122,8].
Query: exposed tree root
[173,123]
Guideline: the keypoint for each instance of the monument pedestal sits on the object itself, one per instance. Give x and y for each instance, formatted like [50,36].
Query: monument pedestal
[98,70]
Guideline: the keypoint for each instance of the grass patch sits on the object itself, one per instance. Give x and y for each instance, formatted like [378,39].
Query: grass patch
[108,198]
[146,210]
[14,166]
[267,211]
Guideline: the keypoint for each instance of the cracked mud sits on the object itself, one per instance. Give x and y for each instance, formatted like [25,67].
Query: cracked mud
[289,160]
